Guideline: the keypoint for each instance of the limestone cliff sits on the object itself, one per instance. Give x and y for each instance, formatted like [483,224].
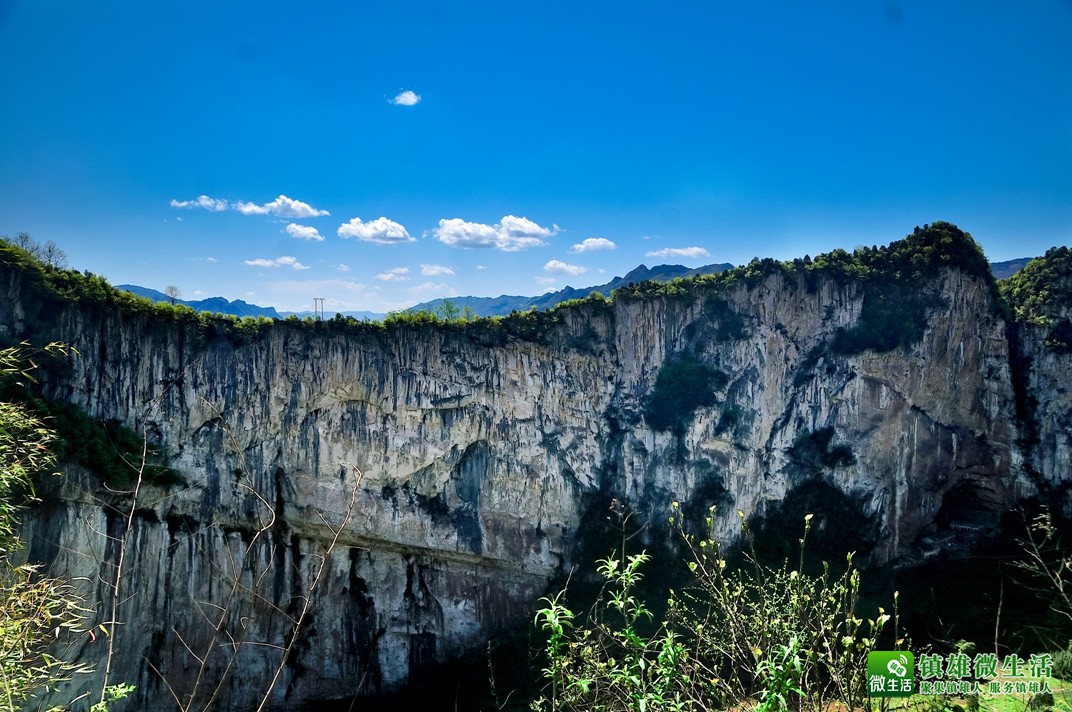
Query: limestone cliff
[477,446]
[1041,345]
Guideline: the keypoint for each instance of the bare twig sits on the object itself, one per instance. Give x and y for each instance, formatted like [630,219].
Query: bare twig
[118,582]
[236,586]
[307,600]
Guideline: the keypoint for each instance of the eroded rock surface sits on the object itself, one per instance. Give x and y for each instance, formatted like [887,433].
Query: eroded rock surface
[475,461]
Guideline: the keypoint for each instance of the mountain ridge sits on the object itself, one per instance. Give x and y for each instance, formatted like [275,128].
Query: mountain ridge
[220,305]
[501,305]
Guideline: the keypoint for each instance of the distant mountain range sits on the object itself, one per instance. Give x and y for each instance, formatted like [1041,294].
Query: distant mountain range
[216,305]
[1008,268]
[503,304]
[481,306]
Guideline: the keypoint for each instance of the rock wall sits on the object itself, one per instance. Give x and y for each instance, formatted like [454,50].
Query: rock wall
[468,465]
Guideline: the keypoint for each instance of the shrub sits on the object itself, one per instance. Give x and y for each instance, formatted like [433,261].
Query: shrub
[35,610]
[1062,663]
[893,315]
[1060,337]
[769,633]
[107,448]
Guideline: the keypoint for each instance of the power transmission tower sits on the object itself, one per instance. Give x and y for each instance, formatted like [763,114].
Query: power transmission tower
[318,307]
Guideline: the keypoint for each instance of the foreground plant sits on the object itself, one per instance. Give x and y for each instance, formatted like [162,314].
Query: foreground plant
[771,636]
[35,610]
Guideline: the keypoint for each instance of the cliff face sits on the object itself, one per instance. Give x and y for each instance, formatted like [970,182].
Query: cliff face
[475,462]
[1043,352]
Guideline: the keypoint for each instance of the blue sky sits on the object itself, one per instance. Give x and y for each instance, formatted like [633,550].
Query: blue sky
[447,148]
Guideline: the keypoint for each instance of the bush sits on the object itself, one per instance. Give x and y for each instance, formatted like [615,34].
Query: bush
[728,419]
[106,448]
[35,611]
[1060,337]
[771,634]
[1062,663]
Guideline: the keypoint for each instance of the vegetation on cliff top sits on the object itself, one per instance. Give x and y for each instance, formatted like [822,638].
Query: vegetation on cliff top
[56,286]
[1040,293]
[890,275]
[921,255]
[894,280]
[1037,293]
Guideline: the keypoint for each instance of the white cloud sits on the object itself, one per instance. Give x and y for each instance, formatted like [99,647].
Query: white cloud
[592,244]
[679,252]
[458,233]
[432,289]
[204,259]
[199,293]
[395,274]
[214,205]
[546,281]
[406,98]
[342,268]
[481,266]
[304,232]
[290,262]
[559,267]
[381,231]
[435,270]
[511,234]
[285,261]
[282,207]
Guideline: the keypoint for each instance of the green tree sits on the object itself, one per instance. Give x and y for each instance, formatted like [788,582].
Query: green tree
[448,310]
